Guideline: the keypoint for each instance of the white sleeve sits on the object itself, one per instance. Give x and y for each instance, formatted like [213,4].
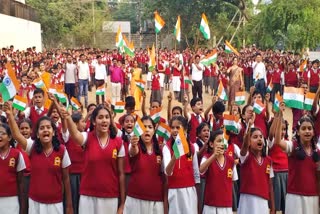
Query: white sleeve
[121,152]
[289,146]
[271,172]
[234,173]
[195,165]
[166,157]
[29,145]
[27,112]
[282,78]
[119,133]
[66,159]
[85,138]
[66,136]
[202,161]
[196,147]
[270,143]
[21,164]
[243,158]
[236,150]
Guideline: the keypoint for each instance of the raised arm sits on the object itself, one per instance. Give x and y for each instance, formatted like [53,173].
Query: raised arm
[185,107]
[14,126]
[246,140]
[252,88]
[143,105]
[75,134]
[267,98]
[134,148]
[277,137]
[206,112]
[169,115]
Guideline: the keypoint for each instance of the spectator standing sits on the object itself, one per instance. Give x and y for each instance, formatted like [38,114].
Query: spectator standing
[84,78]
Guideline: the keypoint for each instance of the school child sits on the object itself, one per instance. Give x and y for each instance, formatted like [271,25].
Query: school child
[279,162]
[256,171]
[220,173]
[291,76]
[145,158]
[194,118]
[277,77]
[155,86]
[167,74]
[37,109]
[184,91]
[11,172]
[172,112]
[129,107]
[76,154]
[213,78]
[316,115]
[102,180]
[126,134]
[303,159]
[215,119]
[45,152]
[91,107]
[206,77]
[182,173]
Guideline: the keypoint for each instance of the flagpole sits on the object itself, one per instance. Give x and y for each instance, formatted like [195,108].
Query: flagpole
[157,58]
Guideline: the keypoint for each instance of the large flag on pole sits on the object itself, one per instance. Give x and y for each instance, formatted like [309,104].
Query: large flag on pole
[158,21]
[119,38]
[210,58]
[204,27]
[152,59]
[177,30]
[128,47]
[230,49]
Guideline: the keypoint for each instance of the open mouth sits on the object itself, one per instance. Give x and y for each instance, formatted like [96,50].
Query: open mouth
[260,144]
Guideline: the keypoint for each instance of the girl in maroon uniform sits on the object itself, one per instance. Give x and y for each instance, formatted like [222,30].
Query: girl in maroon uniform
[103,180]
[303,179]
[220,171]
[11,173]
[45,154]
[145,158]
[256,172]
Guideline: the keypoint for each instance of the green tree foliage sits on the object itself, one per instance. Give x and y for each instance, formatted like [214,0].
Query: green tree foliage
[69,23]
[294,23]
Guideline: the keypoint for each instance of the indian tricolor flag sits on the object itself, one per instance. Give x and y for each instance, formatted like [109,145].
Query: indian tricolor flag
[128,47]
[155,114]
[270,87]
[187,80]
[20,103]
[230,123]
[152,59]
[158,21]
[221,93]
[75,104]
[225,139]
[308,101]
[180,146]
[139,128]
[7,88]
[119,107]
[38,83]
[140,84]
[204,27]
[230,49]
[177,30]
[277,100]
[62,97]
[240,98]
[293,97]
[164,130]
[100,90]
[119,38]
[210,58]
[303,66]
[258,107]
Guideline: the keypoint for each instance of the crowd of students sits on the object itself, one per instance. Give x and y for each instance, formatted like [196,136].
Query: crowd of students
[58,160]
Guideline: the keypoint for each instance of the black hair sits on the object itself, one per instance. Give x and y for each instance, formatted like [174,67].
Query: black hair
[212,138]
[264,148]
[184,124]
[156,147]
[38,91]
[55,141]
[218,107]
[25,120]
[124,137]
[194,101]
[256,92]
[156,101]
[112,129]
[3,119]
[76,117]
[130,102]
[90,105]
[299,151]
[8,131]
[177,108]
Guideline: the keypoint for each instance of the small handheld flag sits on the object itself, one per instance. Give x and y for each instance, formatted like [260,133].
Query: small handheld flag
[258,107]
[293,97]
[164,131]
[277,100]
[20,103]
[240,98]
[155,115]
[210,58]
[308,101]
[180,146]
[119,107]
[139,128]
[221,93]
[230,49]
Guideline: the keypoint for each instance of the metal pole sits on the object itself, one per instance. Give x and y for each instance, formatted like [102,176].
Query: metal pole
[228,26]
[94,24]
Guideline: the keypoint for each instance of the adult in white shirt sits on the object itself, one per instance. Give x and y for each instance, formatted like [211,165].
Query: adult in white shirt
[100,76]
[259,75]
[197,76]
[84,78]
[70,77]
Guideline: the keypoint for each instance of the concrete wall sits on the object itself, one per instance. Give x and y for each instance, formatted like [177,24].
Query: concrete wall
[19,32]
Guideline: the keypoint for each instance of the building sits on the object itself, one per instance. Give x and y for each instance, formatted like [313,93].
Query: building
[20,25]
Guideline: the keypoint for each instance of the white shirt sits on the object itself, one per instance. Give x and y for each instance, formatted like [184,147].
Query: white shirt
[28,110]
[20,165]
[259,71]
[197,75]
[70,75]
[84,71]
[100,72]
